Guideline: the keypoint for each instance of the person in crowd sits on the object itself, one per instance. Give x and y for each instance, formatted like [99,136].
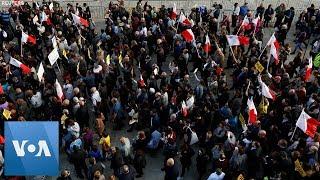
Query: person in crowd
[65,175]
[260,11]
[116,161]
[139,162]
[94,167]
[78,158]
[235,14]
[186,155]
[171,170]
[280,14]
[105,143]
[127,172]
[268,15]
[244,10]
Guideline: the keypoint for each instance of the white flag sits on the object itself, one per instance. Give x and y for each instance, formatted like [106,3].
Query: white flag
[53,56]
[51,6]
[35,19]
[54,42]
[40,72]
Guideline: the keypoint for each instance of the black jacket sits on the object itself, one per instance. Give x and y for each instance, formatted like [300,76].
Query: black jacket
[172,173]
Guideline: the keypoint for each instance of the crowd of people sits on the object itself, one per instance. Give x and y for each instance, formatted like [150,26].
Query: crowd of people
[174,78]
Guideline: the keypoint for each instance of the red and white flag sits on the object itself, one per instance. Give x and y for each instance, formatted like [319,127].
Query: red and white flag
[141,82]
[246,23]
[207,45]
[256,21]
[235,40]
[275,48]
[188,35]
[185,21]
[174,11]
[184,109]
[28,38]
[252,113]
[44,18]
[307,124]
[308,70]
[266,91]
[25,69]
[58,89]
[80,20]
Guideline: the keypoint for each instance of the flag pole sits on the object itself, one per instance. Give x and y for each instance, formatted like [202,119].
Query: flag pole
[239,29]
[21,52]
[233,54]
[294,131]
[265,47]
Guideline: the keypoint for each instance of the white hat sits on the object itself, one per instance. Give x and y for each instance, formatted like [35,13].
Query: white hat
[75,99]
[152,90]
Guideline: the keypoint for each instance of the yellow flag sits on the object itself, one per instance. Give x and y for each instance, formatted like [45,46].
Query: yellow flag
[6,113]
[108,59]
[299,168]
[243,122]
[259,67]
[120,58]
[64,53]
[241,119]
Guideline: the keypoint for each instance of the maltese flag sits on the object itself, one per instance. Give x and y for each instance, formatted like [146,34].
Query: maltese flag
[185,21]
[25,69]
[307,124]
[235,40]
[308,70]
[188,35]
[246,22]
[28,38]
[252,111]
[275,47]
[80,20]
[58,89]
[174,11]
[207,45]
[141,82]
[184,109]
[44,18]
[256,21]
[266,91]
